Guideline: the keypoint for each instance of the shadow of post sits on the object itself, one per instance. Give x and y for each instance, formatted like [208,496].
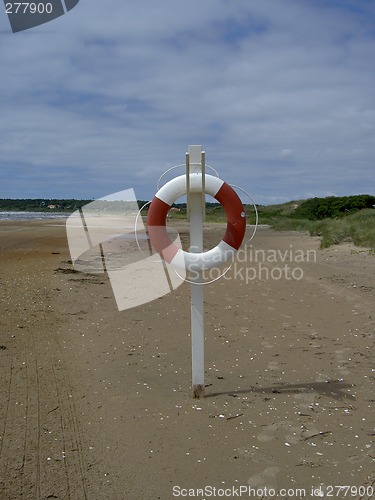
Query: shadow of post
[330,388]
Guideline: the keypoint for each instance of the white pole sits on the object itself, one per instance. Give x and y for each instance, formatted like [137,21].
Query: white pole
[195,164]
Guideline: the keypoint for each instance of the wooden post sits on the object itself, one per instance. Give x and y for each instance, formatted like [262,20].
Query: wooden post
[196,209]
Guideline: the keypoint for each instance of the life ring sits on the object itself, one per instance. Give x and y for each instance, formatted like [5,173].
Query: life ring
[228,246]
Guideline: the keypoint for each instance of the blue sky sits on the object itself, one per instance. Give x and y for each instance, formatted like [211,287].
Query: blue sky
[280,93]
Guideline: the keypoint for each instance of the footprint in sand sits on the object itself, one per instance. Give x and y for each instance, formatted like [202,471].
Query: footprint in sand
[266,479]
[267,345]
[356,459]
[274,366]
[292,434]
[306,400]
[341,360]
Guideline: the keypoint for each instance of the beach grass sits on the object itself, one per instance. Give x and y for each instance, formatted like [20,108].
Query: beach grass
[358,228]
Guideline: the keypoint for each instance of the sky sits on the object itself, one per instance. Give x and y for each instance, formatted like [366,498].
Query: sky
[279,93]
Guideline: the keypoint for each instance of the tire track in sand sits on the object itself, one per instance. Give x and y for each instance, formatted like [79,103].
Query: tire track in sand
[40,446]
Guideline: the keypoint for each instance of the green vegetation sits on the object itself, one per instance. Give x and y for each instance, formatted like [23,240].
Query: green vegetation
[358,227]
[333,219]
[214,213]
[272,213]
[332,206]
[58,205]
[41,205]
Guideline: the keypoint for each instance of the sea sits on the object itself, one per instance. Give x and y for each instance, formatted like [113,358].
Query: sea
[32,215]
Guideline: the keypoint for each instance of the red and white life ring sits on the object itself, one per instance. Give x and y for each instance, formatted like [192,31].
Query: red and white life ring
[234,234]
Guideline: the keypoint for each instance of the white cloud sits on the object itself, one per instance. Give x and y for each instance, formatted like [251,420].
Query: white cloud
[111,94]
[286,153]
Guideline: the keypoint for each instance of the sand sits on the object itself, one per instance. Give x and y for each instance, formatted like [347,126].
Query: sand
[96,403]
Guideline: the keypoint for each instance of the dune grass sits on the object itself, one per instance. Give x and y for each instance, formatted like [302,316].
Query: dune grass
[358,228]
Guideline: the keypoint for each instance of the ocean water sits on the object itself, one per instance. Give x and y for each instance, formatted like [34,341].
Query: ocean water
[32,215]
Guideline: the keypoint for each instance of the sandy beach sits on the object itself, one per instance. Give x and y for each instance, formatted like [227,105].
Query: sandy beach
[96,403]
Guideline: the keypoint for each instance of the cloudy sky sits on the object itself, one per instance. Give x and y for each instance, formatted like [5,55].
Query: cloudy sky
[280,93]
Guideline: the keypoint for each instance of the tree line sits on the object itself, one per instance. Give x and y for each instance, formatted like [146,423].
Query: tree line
[62,205]
[333,206]
[41,204]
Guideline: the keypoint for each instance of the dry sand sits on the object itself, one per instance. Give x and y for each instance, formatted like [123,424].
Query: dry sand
[96,404]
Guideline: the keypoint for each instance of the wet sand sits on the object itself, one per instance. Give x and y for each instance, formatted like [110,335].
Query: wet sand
[96,403]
